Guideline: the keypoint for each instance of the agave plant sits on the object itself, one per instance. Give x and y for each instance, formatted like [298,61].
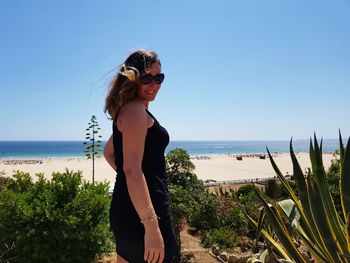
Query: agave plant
[311,216]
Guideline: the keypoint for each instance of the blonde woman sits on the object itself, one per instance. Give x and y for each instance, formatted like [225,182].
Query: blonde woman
[139,213]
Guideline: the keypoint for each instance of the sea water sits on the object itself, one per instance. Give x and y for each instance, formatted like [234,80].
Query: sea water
[42,149]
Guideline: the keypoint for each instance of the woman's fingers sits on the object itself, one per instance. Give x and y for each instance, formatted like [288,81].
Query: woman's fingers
[154,246]
[161,257]
[156,256]
[145,256]
[150,255]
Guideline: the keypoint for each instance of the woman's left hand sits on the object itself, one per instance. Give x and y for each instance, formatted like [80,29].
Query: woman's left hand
[154,244]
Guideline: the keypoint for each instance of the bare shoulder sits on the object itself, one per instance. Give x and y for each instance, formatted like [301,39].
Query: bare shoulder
[132,115]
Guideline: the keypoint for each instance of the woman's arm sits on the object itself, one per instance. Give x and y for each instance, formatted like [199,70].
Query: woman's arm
[108,153]
[133,122]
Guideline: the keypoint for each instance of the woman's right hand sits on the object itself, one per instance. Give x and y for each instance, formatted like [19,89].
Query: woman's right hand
[154,244]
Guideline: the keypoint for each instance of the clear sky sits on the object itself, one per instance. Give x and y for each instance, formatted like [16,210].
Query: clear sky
[235,69]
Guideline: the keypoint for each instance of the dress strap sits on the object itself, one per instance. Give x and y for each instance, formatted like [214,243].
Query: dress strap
[150,114]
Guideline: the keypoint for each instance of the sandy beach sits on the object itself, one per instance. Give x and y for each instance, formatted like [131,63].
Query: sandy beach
[215,167]
[225,167]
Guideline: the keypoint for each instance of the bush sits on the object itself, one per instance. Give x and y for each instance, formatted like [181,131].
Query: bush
[230,215]
[251,204]
[223,237]
[205,217]
[284,193]
[181,204]
[333,178]
[4,181]
[245,190]
[273,189]
[178,161]
[61,220]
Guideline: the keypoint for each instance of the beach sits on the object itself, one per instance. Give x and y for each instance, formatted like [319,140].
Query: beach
[217,167]
[227,167]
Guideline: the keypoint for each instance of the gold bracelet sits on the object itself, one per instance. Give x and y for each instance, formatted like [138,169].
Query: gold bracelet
[149,219]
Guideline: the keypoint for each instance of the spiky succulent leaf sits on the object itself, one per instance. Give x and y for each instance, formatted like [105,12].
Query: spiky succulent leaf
[345,181]
[335,225]
[281,231]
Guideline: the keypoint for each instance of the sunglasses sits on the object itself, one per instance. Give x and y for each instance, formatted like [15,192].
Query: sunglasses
[148,78]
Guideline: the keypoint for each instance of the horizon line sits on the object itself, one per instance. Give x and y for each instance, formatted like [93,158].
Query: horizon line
[183,140]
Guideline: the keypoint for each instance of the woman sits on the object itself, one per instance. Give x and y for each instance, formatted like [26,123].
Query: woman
[139,214]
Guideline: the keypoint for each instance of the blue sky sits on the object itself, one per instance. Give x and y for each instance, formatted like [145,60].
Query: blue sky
[235,70]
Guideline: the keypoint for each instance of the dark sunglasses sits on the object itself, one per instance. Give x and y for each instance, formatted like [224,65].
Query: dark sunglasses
[148,78]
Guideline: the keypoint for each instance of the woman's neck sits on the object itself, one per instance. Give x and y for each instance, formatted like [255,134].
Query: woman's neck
[146,103]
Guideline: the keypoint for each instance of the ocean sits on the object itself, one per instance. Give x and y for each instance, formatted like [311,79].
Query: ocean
[42,149]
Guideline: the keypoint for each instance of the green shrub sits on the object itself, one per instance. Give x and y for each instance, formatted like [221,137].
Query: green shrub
[230,215]
[251,204]
[61,220]
[4,181]
[205,216]
[311,216]
[181,203]
[333,182]
[273,189]
[223,237]
[333,178]
[21,182]
[178,161]
[245,190]
[276,191]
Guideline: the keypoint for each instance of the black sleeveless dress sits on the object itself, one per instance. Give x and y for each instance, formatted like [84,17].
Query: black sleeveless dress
[125,222]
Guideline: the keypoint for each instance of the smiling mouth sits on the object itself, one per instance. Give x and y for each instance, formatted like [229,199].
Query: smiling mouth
[151,92]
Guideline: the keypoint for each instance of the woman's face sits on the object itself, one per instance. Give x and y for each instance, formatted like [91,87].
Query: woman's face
[148,92]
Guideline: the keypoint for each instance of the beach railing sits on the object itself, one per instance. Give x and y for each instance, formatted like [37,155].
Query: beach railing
[239,181]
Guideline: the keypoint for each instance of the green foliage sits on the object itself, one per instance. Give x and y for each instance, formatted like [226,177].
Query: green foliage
[223,237]
[93,143]
[311,216]
[246,197]
[186,180]
[191,202]
[184,188]
[284,192]
[273,189]
[333,180]
[250,203]
[335,164]
[4,182]
[179,162]
[276,191]
[61,220]
[183,182]
[230,215]
[206,216]
[245,190]
[21,182]
[182,204]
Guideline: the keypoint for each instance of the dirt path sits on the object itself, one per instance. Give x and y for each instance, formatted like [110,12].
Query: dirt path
[192,244]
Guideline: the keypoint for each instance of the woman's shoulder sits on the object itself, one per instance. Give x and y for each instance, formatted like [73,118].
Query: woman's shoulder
[132,113]
[133,107]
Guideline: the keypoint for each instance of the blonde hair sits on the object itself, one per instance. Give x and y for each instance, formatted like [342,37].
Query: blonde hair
[125,85]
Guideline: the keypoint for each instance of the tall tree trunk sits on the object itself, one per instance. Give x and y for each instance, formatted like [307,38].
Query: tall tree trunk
[93,168]
[93,153]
